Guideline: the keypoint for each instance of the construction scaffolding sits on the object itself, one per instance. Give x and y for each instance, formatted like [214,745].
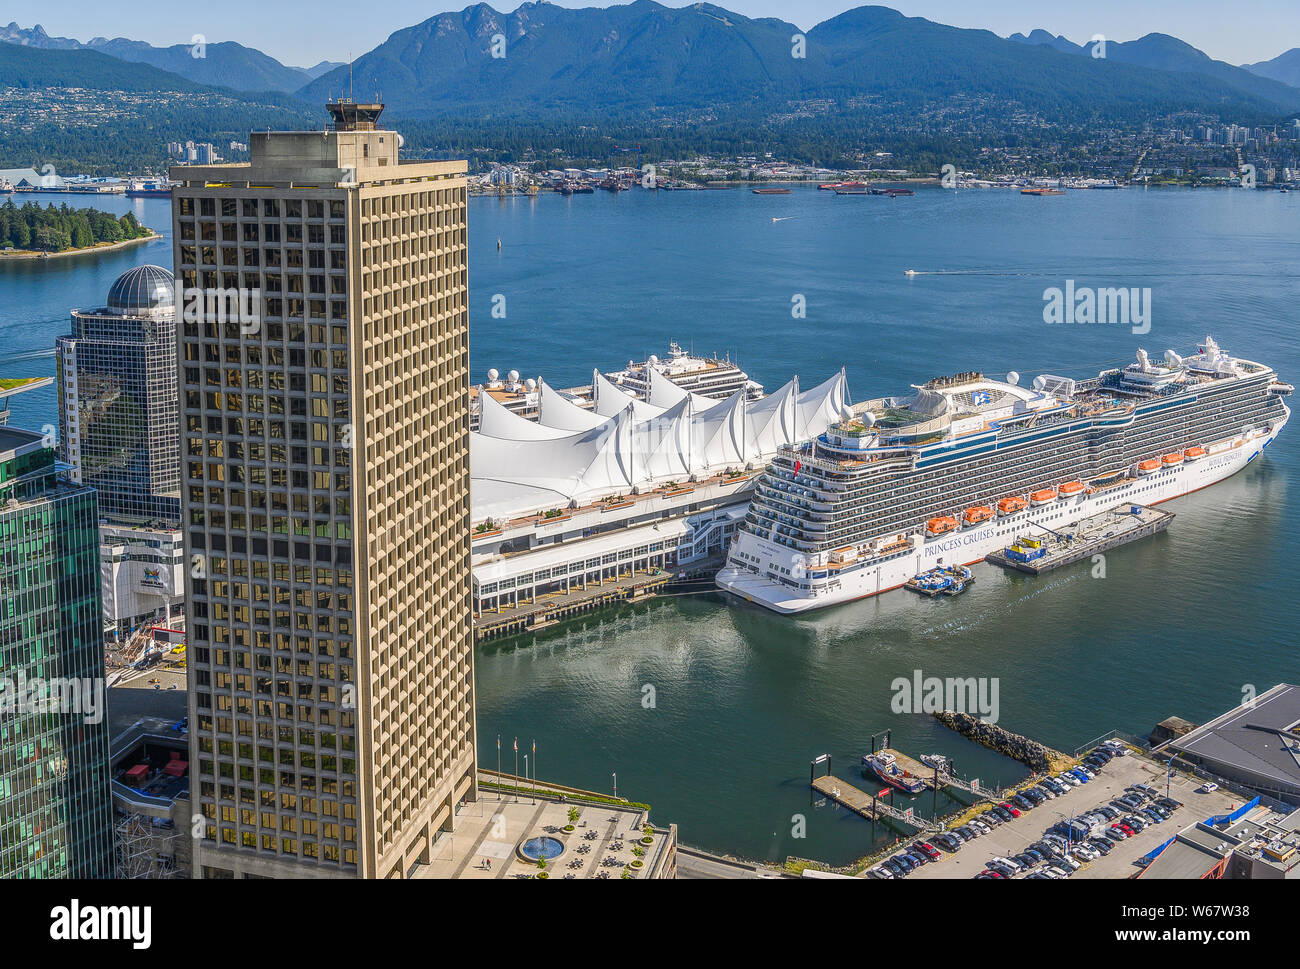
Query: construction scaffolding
[145,849]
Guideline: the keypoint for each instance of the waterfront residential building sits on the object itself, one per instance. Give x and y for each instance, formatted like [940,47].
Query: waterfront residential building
[55,808]
[325,502]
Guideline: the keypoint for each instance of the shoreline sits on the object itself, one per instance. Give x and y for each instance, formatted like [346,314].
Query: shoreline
[22,254]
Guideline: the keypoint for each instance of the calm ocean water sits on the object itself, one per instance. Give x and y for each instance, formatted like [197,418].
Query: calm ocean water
[742,699]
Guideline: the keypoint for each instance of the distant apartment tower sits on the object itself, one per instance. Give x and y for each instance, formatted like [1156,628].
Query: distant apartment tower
[325,501]
[117,398]
[56,814]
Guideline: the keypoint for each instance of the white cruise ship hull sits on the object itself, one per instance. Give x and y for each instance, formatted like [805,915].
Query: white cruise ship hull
[965,546]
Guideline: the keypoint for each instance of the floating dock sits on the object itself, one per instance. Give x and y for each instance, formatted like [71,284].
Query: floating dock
[860,802]
[1052,548]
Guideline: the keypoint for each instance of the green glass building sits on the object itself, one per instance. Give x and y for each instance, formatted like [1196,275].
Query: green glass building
[56,813]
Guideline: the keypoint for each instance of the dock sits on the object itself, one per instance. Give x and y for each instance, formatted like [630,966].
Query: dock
[1089,536]
[549,609]
[860,802]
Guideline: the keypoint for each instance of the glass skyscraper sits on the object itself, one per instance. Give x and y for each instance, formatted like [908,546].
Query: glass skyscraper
[117,399]
[56,817]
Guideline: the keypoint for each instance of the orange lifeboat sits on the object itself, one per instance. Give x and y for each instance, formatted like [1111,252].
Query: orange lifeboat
[1009,506]
[1173,460]
[937,526]
[1043,496]
[1147,467]
[1070,489]
[1194,453]
[978,514]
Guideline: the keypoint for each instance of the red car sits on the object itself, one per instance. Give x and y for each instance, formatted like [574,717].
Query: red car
[927,849]
[1008,807]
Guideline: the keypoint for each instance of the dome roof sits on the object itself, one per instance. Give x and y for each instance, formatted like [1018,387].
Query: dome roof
[144,289]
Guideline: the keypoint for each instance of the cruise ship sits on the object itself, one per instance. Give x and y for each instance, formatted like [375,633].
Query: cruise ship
[968,463]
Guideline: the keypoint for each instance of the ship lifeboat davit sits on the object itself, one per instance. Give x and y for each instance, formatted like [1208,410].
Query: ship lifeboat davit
[1194,453]
[1009,506]
[1043,496]
[1070,489]
[1172,460]
[938,526]
[1148,467]
[977,515]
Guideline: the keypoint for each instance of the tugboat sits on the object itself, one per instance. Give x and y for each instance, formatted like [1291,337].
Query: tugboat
[884,768]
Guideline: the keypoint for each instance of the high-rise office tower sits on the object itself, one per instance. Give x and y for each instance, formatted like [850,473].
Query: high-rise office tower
[118,429]
[117,398]
[324,370]
[56,811]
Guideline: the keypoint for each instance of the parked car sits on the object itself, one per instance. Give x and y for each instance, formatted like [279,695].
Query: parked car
[1058,871]
[1209,787]
[1101,844]
[1006,871]
[1021,802]
[880,873]
[1116,833]
[926,849]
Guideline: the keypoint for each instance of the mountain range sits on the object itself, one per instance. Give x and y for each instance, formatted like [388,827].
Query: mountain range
[697,76]
[224,64]
[644,55]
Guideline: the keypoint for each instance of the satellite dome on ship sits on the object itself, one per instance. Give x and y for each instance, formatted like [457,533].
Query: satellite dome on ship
[142,291]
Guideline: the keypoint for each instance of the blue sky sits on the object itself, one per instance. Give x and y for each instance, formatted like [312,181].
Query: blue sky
[303,32]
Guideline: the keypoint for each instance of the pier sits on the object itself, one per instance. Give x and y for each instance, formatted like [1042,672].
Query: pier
[548,609]
[1082,539]
[860,802]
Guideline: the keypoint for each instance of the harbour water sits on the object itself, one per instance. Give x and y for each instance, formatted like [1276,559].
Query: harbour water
[712,712]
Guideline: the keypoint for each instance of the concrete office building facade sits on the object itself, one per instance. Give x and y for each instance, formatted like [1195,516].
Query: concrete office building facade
[325,501]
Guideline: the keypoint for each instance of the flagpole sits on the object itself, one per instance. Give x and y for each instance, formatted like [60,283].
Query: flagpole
[498,767]
[516,768]
[534,800]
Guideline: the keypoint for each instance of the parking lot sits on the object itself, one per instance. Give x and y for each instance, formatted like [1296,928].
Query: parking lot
[1012,837]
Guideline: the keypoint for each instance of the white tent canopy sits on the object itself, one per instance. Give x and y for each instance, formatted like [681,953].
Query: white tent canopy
[572,455]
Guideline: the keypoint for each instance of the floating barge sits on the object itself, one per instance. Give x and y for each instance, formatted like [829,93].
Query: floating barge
[1118,526]
[940,581]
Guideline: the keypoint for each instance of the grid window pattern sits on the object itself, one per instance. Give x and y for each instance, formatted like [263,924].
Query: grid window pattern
[325,509]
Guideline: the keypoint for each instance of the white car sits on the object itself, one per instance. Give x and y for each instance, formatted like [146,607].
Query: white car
[1057,872]
[1067,780]
[1086,853]
[980,826]
[1119,749]
[1009,862]
[1209,787]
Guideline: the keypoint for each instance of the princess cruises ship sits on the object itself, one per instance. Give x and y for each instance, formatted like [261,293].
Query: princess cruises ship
[968,463]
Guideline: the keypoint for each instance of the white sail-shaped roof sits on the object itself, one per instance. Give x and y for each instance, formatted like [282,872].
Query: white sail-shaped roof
[718,434]
[610,399]
[569,466]
[660,448]
[556,410]
[823,406]
[497,420]
[662,392]
[572,455]
[772,421]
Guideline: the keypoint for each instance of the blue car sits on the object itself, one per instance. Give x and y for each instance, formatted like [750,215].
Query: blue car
[1083,778]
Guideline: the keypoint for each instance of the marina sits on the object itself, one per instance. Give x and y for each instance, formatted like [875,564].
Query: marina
[1081,539]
